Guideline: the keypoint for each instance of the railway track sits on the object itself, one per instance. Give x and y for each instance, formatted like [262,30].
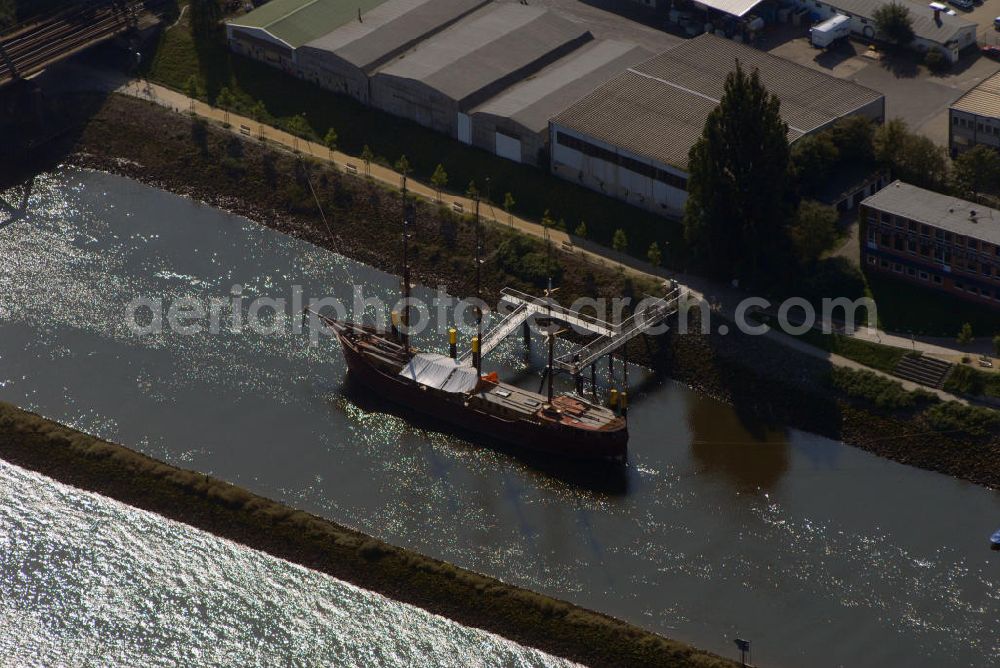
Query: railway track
[33,48]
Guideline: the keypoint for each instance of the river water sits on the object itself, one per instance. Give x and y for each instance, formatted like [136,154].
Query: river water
[88,581]
[817,552]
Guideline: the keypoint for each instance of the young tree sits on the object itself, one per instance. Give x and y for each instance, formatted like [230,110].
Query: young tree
[258,111]
[439,179]
[298,126]
[619,241]
[894,22]
[581,230]
[814,231]
[654,255]
[996,345]
[225,100]
[977,171]
[330,141]
[403,167]
[965,335]
[508,204]
[366,157]
[738,206]
[191,89]
[472,192]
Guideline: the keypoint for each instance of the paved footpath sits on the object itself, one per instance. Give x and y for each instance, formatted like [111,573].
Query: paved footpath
[724,298]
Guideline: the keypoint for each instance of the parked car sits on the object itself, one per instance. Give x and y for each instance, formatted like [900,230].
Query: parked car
[996,23]
[991,51]
[962,4]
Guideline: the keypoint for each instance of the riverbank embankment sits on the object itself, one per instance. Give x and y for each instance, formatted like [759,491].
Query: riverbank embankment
[554,626]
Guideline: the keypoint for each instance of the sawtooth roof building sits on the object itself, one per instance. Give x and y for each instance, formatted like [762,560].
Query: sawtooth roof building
[630,138]
[437,83]
[515,123]
[345,59]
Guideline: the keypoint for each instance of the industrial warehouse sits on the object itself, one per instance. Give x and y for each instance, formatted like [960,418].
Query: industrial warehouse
[630,138]
[533,87]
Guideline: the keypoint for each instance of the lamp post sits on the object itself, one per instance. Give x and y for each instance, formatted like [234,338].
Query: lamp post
[744,647]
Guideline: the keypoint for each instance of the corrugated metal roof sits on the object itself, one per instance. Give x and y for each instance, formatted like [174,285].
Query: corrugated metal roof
[941,30]
[658,108]
[734,7]
[296,22]
[492,44]
[535,100]
[983,100]
[393,26]
[949,213]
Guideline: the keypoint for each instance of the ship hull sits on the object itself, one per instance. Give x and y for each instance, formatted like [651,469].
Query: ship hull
[554,439]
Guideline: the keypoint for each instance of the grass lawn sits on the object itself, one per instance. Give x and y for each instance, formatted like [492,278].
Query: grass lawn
[904,308]
[874,355]
[179,57]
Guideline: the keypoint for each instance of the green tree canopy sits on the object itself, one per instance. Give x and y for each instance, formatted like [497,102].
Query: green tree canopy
[508,202]
[911,157]
[299,126]
[977,171]
[894,22]
[258,111]
[8,14]
[654,255]
[330,140]
[191,87]
[439,179]
[815,158]
[739,206]
[965,335]
[619,241]
[403,165]
[854,136]
[205,17]
[225,99]
[581,230]
[814,231]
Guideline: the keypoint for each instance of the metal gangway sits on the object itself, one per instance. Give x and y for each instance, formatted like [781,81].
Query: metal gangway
[641,321]
[610,337]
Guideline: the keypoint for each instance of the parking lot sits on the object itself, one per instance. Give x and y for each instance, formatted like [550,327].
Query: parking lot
[912,92]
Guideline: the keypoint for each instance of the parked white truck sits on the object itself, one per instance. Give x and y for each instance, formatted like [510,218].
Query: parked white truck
[829,31]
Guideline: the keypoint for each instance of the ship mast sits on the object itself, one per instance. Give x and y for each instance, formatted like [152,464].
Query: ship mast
[552,339]
[406,270]
[479,310]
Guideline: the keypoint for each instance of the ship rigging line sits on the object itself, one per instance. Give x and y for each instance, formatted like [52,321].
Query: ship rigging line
[326,223]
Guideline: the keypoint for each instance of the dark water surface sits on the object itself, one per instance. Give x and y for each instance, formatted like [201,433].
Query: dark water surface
[819,553]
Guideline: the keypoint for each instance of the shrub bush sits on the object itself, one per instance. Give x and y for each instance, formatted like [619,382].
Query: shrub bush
[883,392]
[953,416]
[528,260]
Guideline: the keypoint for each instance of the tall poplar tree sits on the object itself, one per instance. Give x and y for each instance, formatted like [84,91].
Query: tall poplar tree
[739,205]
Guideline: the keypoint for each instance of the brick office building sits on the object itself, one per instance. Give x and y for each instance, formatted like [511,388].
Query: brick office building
[935,240]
